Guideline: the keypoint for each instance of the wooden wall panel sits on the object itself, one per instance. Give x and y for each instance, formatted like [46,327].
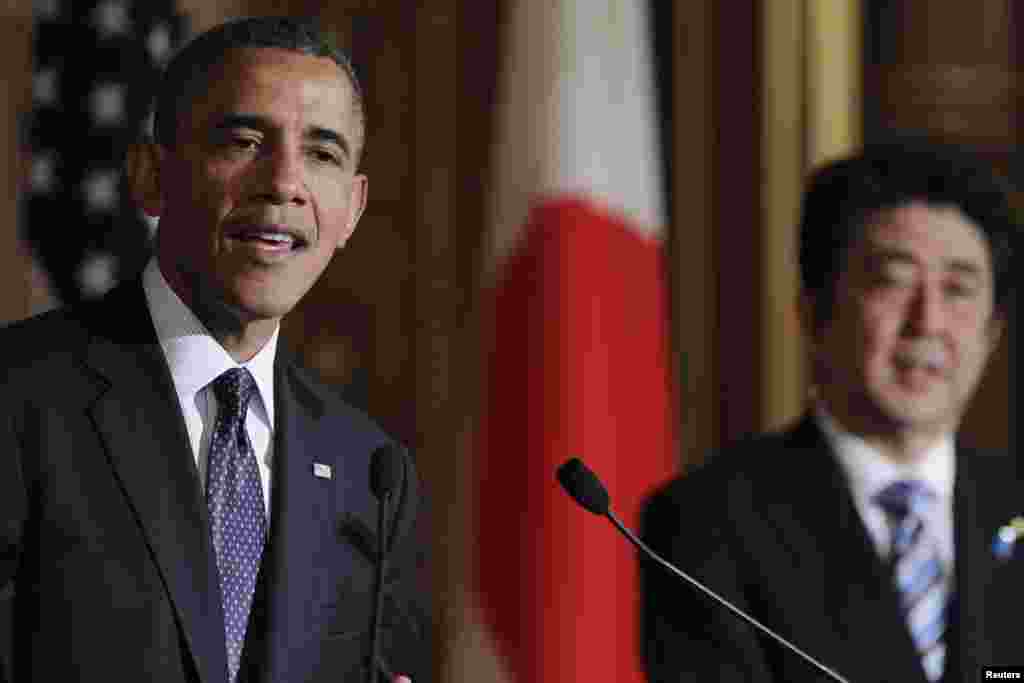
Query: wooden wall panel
[953,71]
[22,286]
[356,325]
[946,68]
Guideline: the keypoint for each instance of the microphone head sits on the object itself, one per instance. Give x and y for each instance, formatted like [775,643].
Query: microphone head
[584,486]
[386,465]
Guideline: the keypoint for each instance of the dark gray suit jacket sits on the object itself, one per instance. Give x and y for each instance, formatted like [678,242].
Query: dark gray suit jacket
[772,526]
[106,568]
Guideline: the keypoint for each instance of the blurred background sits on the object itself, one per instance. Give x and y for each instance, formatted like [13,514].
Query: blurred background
[750,97]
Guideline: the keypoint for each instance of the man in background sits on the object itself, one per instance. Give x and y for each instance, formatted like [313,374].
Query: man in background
[179,499]
[864,533]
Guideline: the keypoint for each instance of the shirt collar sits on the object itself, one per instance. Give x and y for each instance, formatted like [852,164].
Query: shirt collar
[195,358]
[869,471]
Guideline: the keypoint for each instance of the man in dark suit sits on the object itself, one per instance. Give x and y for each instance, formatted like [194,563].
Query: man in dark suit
[863,534]
[179,500]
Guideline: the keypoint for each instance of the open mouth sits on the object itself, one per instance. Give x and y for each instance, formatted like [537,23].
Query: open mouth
[922,363]
[271,239]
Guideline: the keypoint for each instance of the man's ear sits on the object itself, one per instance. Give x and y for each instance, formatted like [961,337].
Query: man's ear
[357,202]
[996,325]
[142,166]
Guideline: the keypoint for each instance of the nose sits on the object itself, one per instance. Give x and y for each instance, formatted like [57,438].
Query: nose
[281,178]
[927,311]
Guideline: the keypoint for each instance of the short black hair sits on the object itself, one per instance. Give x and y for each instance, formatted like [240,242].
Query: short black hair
[843,196]
[186,73]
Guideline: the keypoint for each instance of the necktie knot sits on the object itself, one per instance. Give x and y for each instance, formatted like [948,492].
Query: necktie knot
[234,389]
[905,498]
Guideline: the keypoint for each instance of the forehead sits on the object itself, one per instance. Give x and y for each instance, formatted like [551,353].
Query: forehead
[280,83]
[940,236]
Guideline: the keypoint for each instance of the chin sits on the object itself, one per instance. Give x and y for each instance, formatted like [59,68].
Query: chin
[268,311]
[920,415]
[254,308]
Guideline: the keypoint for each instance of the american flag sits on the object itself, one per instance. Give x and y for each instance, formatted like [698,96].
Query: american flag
[96,66]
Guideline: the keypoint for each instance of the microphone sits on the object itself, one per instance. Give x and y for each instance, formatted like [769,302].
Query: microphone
[587,490]
[386,469]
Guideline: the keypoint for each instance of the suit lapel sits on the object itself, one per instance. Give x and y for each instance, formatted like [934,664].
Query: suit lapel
[140,422]
[295,592]
[977,517]
[820,525]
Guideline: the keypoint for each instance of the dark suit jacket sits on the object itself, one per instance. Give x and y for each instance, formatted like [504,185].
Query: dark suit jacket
[771,525]
[106,567]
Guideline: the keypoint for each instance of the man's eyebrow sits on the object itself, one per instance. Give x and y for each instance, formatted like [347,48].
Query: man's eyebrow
[231,121]
[321,134]
[965,267]
[881,254]
[885,254]
[261,123]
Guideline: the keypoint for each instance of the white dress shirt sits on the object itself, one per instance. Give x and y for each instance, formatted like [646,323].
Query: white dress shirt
[195,359]
[868,471]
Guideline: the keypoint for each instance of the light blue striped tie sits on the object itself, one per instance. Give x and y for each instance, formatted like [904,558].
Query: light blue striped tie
[917,571]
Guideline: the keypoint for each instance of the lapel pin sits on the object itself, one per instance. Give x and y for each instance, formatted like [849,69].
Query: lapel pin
[1006,538]
[321,470]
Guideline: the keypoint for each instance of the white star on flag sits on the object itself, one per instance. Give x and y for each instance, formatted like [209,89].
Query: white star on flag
[111,18]
[44,87]
[96,273]
[158,42]
[42,178]
[45,9]
[107,104]
[100,190]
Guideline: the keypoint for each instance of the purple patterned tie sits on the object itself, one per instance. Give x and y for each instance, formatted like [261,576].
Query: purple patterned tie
[234,498]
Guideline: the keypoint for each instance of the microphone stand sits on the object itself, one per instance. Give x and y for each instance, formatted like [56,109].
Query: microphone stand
[587,490]
[720,600]
[378,587]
